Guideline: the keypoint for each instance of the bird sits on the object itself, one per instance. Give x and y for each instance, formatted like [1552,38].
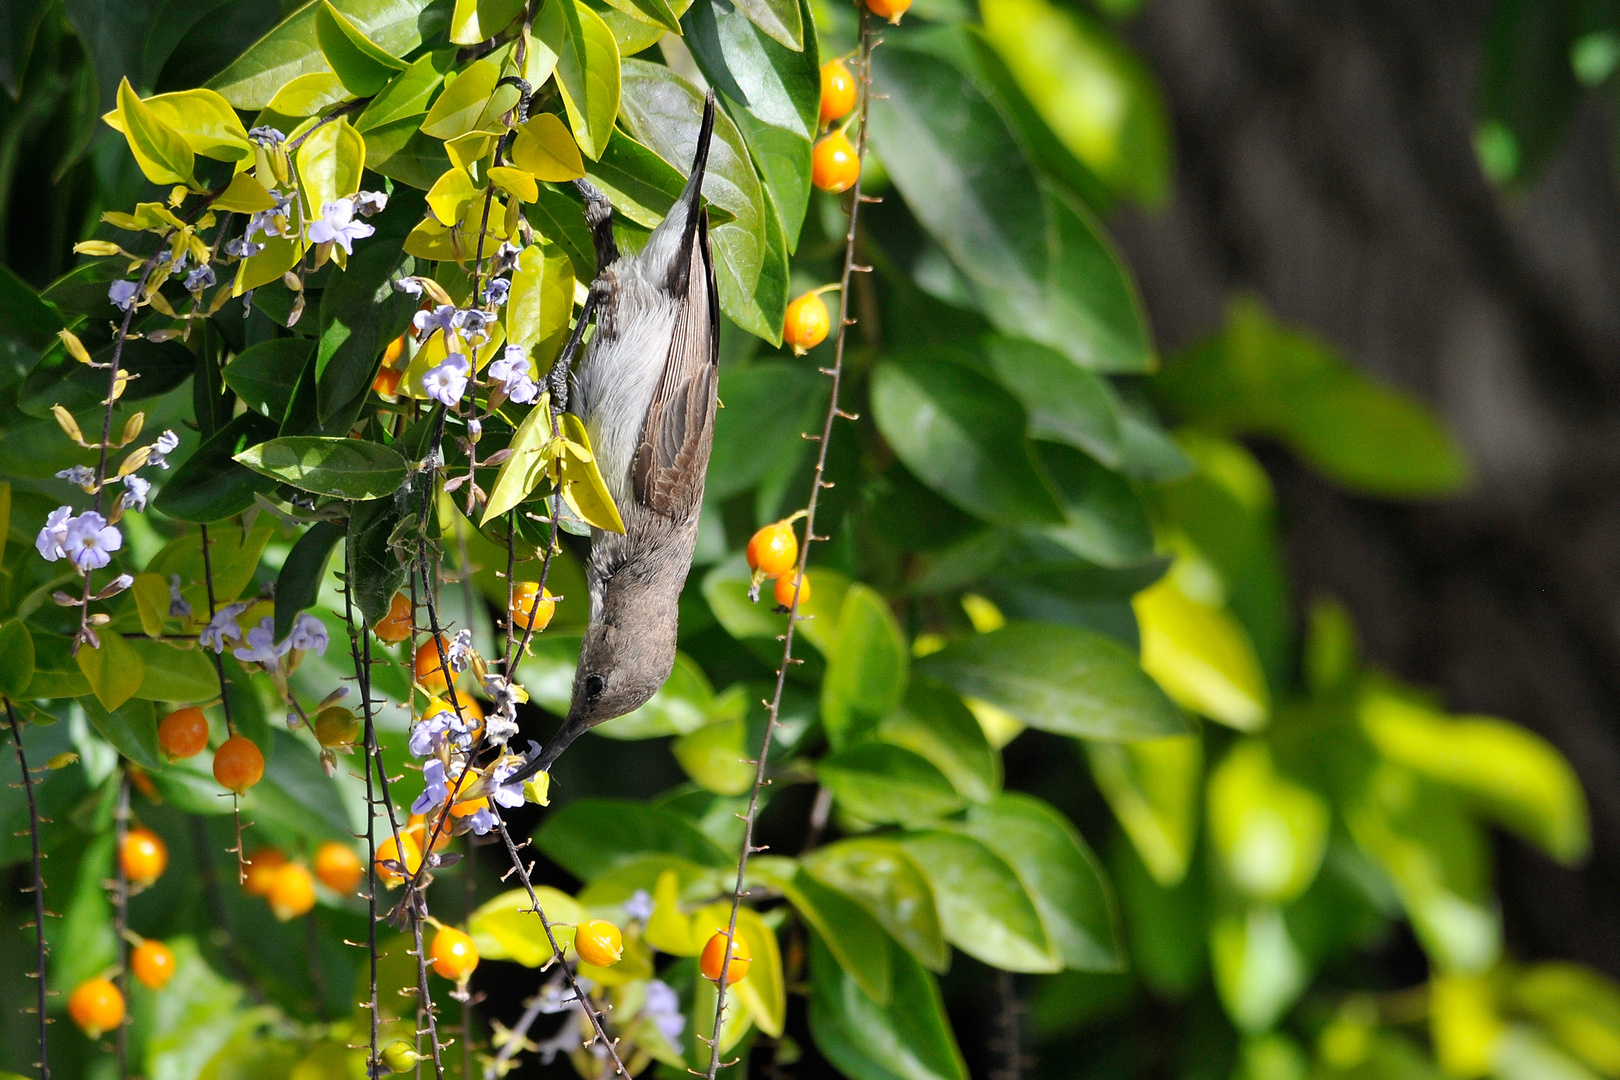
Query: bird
[646,390]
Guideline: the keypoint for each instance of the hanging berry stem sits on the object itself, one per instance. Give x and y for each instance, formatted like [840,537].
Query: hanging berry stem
[869,41]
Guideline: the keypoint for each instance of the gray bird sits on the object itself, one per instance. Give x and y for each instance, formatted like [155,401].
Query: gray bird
[646,392]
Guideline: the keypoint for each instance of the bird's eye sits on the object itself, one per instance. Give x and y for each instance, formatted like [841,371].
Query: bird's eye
[594,685]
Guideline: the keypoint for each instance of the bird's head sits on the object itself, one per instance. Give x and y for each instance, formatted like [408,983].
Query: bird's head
[629,648]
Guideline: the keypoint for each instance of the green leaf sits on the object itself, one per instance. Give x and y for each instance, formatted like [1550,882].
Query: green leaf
[363,67]
[1153,787]
[56,671]
[298,585]
[407,94]
[465,96]
[656,12]
[588,837]
[882,783]
[769,405]
[1065,402]
[351,469]
[114,670]
[361,312]
[1514,775]
[174,674]
[1259,971]
[132,726]
[1578,1006]
[263,375]
[933,722]
[782,20]
[642,185]
[867,671]
[540,302]
[25,317]
[478,20]
[1059,679]
[856,940]
[1202,656]
[377,572]
[1527,89]
[1104,519]
[330,163]
[1035,261]
[309,94]
[962,435]
[292,48]
[1059,872]
[17,646]
[908,1037]
[160,151]
[1100,100]
[1269,831]
[588,76]
[983,907]
[662,111]
[507,927]
[716,756]
[245,195]
[522,472]
[82,943]
[878,874]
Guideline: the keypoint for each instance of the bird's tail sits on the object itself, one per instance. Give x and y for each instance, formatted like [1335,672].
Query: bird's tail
[687,215]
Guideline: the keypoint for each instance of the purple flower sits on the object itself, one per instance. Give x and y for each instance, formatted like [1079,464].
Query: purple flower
[370,202]
[54,535]
[221,626]
[505,794]
[483,820]
[271,221]
[261,645]
[495,292]
[179,606]
[308,632]
[436,791]
[424,323]
[429,734]
[639,906]
[161,449]
[409,286]
[135,492]
[447,382]
[511,372]
[266,136]
[663,1008]
[459,654]
[337,224]
[199,279]
[90,541]
[80,475]
[123,294]
[243,248]
[506,258]
[473,323]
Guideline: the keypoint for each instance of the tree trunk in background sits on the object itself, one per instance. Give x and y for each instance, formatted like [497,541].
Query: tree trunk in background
[1326,164]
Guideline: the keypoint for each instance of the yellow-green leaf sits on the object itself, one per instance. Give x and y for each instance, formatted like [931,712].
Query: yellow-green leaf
[5,514]
[1270,832]
[450,195]
[540,303]
[203,118]
[1152,787]
[114,671]
[588,76]
[522,472]
[582,485]
[1516,776]
[363,67]
[477,20]
[152,602]
[715,756]
[507,929]
[244,196]
[279,256]
[309,94]
[458,108]
[545,148]
[515,182]
[1201,656]
[330,163]
[162,152]
[668,930]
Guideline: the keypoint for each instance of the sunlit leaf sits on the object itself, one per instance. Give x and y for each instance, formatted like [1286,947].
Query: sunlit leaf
[983,907]
[507,927]
[866,674]
[114,670]
[477,20]
[588,76]
[882,878]
[1201,656]
[342,468]
[1269,830]
[1153,787]
[160,151]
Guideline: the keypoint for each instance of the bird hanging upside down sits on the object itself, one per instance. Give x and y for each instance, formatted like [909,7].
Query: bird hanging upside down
[646,392]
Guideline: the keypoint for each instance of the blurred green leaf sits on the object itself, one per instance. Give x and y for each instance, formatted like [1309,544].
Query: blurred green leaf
[882,783]
[867,671]
[683,705]
[769,404]
[590,836]
[1104,519]
[1269,831]
[82,941]
[1058,679]
[934,723]
[1528,90]
[716,756]
[113,669]
[1201,655]
[910,1038]
[1578,1006]
[173,674]
[1153,788]
[507,927]
[17,646]
[1259,972]
[984,908]
[878,874]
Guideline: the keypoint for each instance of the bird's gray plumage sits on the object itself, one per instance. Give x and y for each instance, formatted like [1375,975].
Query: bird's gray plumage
[646,391]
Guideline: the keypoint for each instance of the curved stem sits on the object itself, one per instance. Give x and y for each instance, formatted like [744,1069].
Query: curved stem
[38,887]
[836,373]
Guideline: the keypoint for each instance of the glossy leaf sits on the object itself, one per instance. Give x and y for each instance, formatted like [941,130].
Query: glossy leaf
[781,20]
[477,20]
[361,312]
[866,674]
[934,723]
[641,184]
[1152,788]
[1104,519]
[211,485]
[590,836]
[1064,402]
[907,1038]
[521,473]
[962,435]
[882,783]
[160,151]
[330,163]
[407,94]
[588,76]
[882,878]
[114,672]
[1270,831]
[1202,656]
[342,468]
[465,96]
[540,303]
[292,48]
[544,147]
[508,928]
[1060,679]
[983,907]
[363,67]
[205,120]
[298,585]
[245,195]
[263,375]
[309,94]
[856,940]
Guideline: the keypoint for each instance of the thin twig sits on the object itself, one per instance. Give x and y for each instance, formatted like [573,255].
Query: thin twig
[121,913]
[868,43]
[38,888]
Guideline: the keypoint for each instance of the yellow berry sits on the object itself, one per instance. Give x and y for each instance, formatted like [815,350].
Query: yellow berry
[773,550]
[453,953]
[400,1056]
[293,892]
[598,942]
[261,871]
[837,91]
[388,851]
[429,665]
[238,764]
[96,1006]
[807,323]
[834,165]
[336,726]
[714,955]
[784,590]
[523,600]
[888,9]
[152,963]
[338,867]
[395,627]
[144,856]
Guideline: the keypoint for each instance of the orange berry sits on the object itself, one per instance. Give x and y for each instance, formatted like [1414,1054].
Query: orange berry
[807,323]
[429,670]
[389,851]
[261,871]
[336,726]
[773,550]
[523,600]
[395,627]
[395,350]
[183,733]
[714,955]
[292,893]
[96,1006]
[143,855]
[598,942]
[888,9]
[837,91]
[453,954]
[417,829]
[338,867]
[152,963]
[834,165]
[238,764]
[784,591]
[387,381]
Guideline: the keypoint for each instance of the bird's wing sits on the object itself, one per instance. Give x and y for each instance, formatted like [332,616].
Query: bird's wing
[678,432]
